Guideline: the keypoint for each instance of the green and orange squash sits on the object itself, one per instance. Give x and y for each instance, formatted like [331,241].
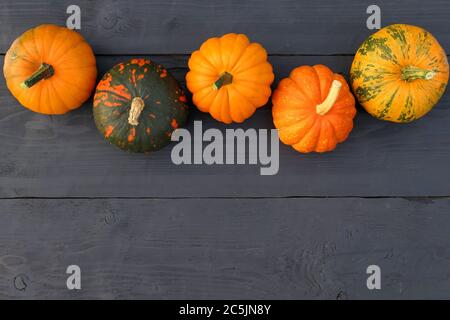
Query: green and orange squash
[50,69]
[399,73]
[137,106]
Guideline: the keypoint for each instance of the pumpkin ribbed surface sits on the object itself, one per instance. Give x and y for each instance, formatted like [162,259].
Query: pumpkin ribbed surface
[50,69]
[230,77]
[313,109]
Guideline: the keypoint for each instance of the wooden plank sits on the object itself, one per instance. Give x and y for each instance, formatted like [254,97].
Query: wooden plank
[65,156]
[169,27]
[225,249]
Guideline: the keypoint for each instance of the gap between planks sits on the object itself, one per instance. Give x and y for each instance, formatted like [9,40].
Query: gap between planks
[409,198]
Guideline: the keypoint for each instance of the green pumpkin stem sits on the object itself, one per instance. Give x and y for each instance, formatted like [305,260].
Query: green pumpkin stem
[137,105]
[225,79]
[411,73]
[331,98]
[45,71]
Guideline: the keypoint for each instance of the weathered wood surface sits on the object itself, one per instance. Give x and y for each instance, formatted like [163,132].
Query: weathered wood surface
[65,156]
[162,231]
[225,248]
[174,26]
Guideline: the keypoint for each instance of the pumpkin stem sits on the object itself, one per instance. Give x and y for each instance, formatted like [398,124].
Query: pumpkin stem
[45,71]
[329,101]
[224,79]
[411,73]
[137,105]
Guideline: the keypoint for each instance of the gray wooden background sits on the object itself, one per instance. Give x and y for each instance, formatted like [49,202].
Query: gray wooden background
[141,227]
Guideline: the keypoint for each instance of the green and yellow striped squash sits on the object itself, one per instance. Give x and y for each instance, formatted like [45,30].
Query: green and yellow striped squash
[399,73]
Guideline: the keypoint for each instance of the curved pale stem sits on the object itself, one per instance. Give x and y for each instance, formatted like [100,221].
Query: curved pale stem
[137,105]
[329,101]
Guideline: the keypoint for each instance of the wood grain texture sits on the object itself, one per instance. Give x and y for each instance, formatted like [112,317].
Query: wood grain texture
[222,232]
[225,249]
[179,27]
[65,156]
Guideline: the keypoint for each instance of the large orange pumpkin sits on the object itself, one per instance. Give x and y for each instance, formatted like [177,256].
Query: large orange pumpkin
[313,109]
[50,69]
[230,77]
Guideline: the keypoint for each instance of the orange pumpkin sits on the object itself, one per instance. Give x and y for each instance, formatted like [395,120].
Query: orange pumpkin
[313,109]
[50,69]
[230,77]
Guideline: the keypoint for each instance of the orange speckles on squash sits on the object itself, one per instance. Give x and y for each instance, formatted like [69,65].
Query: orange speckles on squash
[148,131]
[133,76]
[182,98]
[163,73]
[99,98]
[101,95]
[145,70]
[140,77]
[105,83]
[108,131]
[140,62]
[174,123]
[132,135]
[111,104]
[122,91]
[121,68]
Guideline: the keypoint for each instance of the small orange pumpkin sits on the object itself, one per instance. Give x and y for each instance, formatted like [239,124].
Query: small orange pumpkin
[313,109]
[230,77]
[50,69]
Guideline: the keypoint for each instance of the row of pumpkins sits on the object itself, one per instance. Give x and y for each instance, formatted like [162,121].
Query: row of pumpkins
[398,74]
